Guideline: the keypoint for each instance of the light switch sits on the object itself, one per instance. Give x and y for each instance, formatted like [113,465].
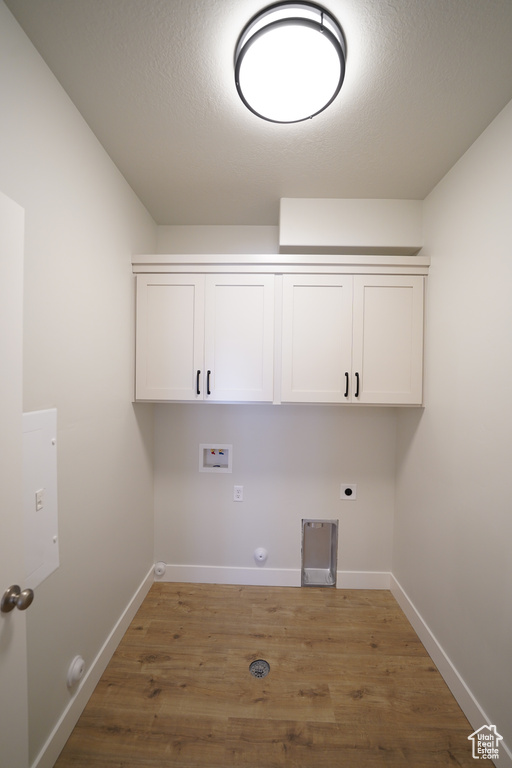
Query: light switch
[39,499]
[40,508]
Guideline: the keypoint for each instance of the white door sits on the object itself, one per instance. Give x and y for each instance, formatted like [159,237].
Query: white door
[13,654]
[317,338]
[239,338]
[387,358]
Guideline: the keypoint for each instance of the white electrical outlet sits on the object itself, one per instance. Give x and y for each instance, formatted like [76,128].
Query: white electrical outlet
[238,493]
[348,491]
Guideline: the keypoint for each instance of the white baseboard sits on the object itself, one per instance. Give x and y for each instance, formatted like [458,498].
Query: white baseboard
[268,577]
[62,731]
[363,579]
[212,574]
[449,673]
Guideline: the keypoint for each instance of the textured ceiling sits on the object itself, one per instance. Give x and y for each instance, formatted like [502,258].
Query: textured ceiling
[154,80]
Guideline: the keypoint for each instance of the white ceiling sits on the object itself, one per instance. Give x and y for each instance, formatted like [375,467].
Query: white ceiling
[154,80]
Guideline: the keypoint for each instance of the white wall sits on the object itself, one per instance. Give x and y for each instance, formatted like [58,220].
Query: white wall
[291,461]
[83,223]
[217,239]
[453,526]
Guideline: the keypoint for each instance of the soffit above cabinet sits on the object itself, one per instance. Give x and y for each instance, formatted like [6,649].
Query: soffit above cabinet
[322,225]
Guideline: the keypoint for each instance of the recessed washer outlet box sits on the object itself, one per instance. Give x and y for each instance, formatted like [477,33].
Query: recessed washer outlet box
[215,457]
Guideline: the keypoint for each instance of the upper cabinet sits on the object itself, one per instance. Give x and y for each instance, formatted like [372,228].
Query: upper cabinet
[387,351]
[169,336]
[205,337]
[301,329]
[317,338]
[352,339]
[239,338]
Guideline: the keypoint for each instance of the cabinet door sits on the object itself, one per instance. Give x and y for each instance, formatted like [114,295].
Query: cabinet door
[239,337]
[317,338]
[388,339]
[170,337]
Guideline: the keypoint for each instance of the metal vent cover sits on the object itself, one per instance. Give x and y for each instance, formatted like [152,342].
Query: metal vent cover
[319,553]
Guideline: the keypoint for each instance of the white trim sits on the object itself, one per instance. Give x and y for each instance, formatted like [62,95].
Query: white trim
[213,574]
[67,721]
[268,577]
[449,673]
[351,263]
[271,269]
[279,260]
[363,579]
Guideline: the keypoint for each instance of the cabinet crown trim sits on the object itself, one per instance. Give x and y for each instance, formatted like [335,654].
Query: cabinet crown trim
[280,263]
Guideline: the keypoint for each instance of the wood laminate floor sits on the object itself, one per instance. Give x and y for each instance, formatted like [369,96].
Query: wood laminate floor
[350,684]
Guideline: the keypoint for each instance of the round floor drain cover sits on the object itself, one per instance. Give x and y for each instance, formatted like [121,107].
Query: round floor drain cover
[259,668]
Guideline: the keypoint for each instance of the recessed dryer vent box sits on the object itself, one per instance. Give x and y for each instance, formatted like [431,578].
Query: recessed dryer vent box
[215,457]
[319,553]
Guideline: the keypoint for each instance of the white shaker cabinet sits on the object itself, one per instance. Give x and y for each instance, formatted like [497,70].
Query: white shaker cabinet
[387,352]
[317,338]
[239,337]
[352,339]
[205,337]
[169,336]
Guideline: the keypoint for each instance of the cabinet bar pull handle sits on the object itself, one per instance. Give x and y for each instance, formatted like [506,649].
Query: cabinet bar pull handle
[208,383]
[357,384]
[346,384]
[198,391]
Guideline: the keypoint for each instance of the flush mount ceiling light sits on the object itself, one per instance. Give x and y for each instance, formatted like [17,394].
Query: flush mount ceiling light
[290,62]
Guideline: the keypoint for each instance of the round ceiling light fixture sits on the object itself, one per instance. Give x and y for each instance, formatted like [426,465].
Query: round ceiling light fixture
[290,62]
